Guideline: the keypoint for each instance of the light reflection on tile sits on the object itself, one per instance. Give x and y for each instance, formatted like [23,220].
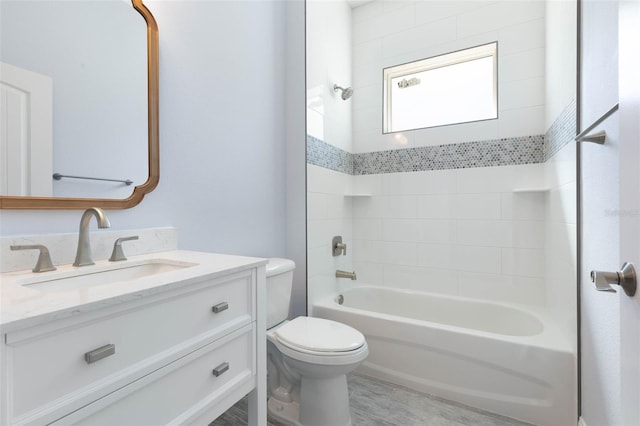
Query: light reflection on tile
[561,132]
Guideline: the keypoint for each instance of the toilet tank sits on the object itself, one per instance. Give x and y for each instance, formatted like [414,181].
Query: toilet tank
[279,283]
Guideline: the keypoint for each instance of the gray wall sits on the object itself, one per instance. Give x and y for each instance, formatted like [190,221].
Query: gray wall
[101,74]
[223,174]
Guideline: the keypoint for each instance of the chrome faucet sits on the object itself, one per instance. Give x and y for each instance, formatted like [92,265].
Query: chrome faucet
[83,255]
[346,274]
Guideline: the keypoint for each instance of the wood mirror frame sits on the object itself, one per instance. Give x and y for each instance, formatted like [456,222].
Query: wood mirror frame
[15,202]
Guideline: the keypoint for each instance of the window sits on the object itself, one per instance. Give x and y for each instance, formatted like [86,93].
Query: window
[457,87]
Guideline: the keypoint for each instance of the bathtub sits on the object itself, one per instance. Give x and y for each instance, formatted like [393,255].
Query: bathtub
[508,359]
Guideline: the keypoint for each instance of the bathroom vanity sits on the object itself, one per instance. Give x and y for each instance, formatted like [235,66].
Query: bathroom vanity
[165,338]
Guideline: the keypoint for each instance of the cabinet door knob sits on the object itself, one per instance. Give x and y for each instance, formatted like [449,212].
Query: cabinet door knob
[220,307]
[98,354]
[219,370]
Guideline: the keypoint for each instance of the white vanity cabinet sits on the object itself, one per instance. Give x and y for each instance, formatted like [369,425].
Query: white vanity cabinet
[181,353]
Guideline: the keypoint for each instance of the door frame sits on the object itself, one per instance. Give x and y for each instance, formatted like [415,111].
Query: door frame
[35,146]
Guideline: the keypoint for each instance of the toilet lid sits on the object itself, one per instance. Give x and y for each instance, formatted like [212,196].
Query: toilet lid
[319,335]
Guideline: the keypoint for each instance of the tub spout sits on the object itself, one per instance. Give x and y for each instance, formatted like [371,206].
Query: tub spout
[346,274]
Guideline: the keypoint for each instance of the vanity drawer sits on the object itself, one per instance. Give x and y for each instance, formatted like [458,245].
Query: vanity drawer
[180,392]
[51,366]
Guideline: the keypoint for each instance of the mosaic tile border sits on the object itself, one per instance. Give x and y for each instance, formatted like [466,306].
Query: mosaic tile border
[487,153]
[561,132]
[320,153]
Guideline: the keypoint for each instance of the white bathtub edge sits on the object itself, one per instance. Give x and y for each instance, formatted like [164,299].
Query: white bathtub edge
[552,337]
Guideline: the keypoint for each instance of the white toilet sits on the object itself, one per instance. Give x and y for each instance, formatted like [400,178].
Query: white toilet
[308,358]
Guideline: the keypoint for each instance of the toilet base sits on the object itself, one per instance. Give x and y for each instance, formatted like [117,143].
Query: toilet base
[325,402]
[286,412]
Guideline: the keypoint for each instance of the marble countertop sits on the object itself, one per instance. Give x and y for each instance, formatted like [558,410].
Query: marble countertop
[22,306]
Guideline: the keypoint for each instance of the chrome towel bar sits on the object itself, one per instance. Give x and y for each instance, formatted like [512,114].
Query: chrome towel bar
[58,176]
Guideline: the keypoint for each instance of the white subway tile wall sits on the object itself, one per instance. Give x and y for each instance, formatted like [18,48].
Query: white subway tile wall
[385,36]
[561,238]
[329,213]
[460,231]
[474,232]
[467,231]
[328,36]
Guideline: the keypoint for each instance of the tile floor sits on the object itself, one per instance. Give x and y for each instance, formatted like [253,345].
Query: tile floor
[378,403]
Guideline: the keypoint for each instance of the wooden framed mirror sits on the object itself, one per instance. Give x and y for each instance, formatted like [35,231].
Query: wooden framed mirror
[102,140]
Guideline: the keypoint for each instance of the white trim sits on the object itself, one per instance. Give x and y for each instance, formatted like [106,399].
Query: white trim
[440,61]
[581,422]
[32,154]
[457,57]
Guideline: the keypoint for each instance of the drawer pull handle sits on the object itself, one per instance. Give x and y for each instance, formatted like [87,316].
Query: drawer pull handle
[220,307]
[98,354]
[219,370]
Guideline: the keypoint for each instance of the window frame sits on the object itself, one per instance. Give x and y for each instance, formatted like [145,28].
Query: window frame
[438,61]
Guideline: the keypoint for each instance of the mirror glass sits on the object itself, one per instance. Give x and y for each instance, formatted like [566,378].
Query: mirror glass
[74,98]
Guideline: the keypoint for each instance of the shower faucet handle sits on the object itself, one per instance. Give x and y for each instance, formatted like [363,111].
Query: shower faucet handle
[338,247]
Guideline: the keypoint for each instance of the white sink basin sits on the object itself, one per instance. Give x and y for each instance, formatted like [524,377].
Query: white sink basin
[91,276]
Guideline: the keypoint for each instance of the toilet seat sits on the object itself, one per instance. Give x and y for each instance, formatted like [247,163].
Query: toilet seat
[318,335]
[319,341]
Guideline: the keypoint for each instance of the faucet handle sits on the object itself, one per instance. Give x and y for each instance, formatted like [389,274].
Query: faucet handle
[117,254]
[338,247]
[44,263]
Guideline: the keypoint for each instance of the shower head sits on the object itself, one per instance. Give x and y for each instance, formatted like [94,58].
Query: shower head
[346,92]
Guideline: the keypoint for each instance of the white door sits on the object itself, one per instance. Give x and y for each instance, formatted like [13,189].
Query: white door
[629,89]
[25,132]
[610,322]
